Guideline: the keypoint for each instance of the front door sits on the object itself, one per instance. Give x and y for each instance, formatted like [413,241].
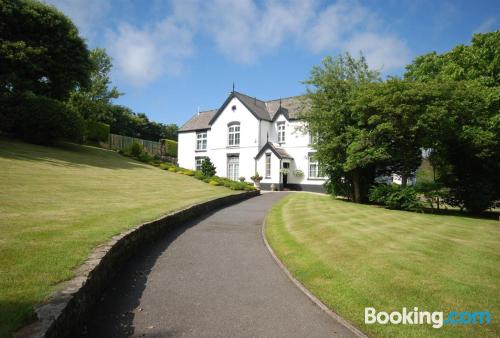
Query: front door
[233,167]
[286,166]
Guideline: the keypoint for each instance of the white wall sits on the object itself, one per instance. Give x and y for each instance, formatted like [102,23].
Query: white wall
[186,150]
[296,144]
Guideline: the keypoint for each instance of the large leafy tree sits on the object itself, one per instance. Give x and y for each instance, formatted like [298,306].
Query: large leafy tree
[40,50]
[348,151]
[479,61]
[390,111]
[93,101]
[462,125]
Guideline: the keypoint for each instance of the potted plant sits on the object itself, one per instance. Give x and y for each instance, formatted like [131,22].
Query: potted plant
[256,179]
[242,178]
[298,173]
[285,171]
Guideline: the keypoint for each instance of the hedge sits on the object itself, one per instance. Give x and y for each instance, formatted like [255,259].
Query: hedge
[170,147]
[97,131]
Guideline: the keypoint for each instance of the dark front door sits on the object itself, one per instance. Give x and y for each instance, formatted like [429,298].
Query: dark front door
[285,175]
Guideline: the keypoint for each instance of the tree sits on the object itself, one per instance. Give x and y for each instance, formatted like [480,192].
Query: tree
[479,61]
[40,51]
[462,126]
[346,150]
[93,101]
[208,168]
[390,111]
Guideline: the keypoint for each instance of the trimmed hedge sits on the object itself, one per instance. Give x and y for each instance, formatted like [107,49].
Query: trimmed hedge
[170,147]
[97,131]
[40,119]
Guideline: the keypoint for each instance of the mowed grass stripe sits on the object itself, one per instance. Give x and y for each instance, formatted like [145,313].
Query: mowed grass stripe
[354,256]
[57,203]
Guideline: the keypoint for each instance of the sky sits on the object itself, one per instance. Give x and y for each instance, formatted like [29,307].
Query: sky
[172,58]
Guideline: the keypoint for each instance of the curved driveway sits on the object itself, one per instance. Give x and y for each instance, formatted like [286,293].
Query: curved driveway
[213,277]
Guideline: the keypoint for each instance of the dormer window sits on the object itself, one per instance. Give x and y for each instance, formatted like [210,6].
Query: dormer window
[233,135]
[201,141]
[281,132]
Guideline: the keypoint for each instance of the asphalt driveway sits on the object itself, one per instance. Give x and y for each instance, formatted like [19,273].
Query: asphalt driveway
[212,278]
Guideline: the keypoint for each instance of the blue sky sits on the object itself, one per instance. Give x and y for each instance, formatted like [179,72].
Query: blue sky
[174,57]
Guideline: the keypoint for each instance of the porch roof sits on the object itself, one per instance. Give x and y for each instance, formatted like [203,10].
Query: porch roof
[276,149]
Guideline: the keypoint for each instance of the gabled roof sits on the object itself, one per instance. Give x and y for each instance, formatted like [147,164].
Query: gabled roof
[256,107]
[290,107]
[199,122]
[276,149]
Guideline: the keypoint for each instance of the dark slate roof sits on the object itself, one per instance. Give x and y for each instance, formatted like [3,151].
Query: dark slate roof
[276,149]
[291,107]
[199,121]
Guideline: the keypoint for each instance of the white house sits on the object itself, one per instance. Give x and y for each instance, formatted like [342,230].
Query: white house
[247,135]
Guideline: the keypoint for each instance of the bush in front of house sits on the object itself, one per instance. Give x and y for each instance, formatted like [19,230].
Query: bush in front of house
[135,149]
[208,168]
[394,196]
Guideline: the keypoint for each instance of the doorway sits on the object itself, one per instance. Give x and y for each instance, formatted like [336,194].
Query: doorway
[286,168]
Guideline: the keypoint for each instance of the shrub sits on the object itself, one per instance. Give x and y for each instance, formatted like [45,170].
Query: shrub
[145,157]
[199,175]
[187,172]
[170,147]
[394,196]
[208,168]
[39,119]
[165,166]
[173,169]
[97,131]
[214,183]
[135,149]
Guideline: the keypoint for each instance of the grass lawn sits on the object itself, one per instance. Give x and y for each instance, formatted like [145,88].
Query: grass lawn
[56,204]
[354,256]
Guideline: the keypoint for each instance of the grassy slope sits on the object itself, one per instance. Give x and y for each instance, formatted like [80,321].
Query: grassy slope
[356,256]
[56,204]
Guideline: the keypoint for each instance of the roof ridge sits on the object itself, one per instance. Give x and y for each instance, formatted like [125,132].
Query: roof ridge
[284,98]
[250,97]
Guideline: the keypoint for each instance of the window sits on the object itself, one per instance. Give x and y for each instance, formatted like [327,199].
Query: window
[315,169]
[281,132]
[313,138]
[201,140]
[268,165]
[233,168]
[233,134]
[199,162]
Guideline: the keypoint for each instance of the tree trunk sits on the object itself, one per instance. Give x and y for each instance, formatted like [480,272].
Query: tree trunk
[404,179]
[357,186]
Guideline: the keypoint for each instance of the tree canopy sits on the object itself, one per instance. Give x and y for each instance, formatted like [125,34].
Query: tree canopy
[347,151]
[40,50]
[479,61]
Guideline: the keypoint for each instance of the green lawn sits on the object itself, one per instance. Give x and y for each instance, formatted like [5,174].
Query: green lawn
[56,204]
[354,256]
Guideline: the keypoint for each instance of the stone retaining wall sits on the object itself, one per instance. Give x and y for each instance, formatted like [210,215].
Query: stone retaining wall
[67,308]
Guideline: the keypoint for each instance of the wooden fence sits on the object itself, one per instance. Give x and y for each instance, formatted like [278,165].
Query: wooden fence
[120,142]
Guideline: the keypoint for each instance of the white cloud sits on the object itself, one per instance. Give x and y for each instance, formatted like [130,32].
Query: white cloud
[381,52]
[242,31]
[86,14]
[142,55]
[486,26]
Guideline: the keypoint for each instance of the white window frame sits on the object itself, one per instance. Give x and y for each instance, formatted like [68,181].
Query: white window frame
[314,168]
[201,159]
[201,140]
[281,132]
[268,165]
[233,134]
[313,138]
[233,168]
